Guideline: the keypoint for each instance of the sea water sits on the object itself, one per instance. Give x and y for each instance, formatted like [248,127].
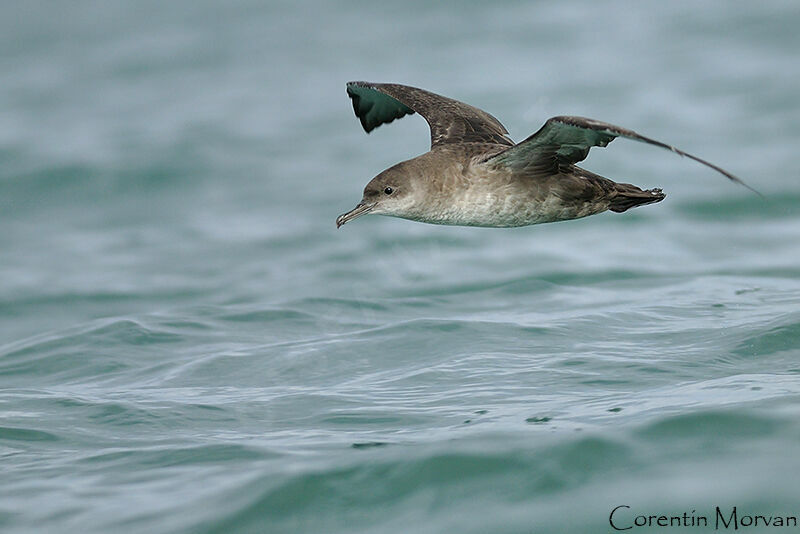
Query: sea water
[189,345]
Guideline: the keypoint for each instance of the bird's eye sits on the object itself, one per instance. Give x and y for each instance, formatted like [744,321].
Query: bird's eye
[388,190]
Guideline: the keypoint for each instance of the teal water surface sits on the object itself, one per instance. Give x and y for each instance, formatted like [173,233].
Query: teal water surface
[189,345]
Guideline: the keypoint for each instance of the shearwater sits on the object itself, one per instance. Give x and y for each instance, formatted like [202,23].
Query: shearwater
[474,174]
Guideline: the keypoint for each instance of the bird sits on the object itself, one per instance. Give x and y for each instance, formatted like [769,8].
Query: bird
[475,175]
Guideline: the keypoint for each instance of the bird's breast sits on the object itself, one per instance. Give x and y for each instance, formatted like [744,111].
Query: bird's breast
[484,197]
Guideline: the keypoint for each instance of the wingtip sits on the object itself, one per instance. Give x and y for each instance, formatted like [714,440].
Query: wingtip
[683,154]
[359,83]
[730,176]
[754,190]
[367,127]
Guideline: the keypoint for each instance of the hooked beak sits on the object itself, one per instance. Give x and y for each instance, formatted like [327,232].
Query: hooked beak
[361,209]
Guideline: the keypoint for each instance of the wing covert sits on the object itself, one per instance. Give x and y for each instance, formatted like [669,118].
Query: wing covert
[450,121]
[566,140]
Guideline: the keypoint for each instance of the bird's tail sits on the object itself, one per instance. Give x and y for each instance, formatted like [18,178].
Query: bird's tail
[629,196]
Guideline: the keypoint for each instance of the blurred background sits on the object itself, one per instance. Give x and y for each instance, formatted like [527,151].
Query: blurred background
[187,343]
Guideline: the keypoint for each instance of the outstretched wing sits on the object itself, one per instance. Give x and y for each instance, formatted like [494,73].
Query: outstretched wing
[451,121]
[567,140]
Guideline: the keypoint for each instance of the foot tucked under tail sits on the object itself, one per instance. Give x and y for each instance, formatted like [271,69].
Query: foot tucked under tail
[629,196]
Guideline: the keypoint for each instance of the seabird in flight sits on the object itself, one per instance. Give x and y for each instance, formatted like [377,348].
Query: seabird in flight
[474,174]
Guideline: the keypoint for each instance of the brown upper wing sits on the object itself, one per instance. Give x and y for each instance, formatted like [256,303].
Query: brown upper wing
[450,121]
[567,140]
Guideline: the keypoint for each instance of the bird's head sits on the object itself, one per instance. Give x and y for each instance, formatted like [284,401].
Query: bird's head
[390,193]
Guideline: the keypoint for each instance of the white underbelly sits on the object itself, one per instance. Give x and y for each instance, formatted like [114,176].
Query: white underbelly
[500,210]
[495,199]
